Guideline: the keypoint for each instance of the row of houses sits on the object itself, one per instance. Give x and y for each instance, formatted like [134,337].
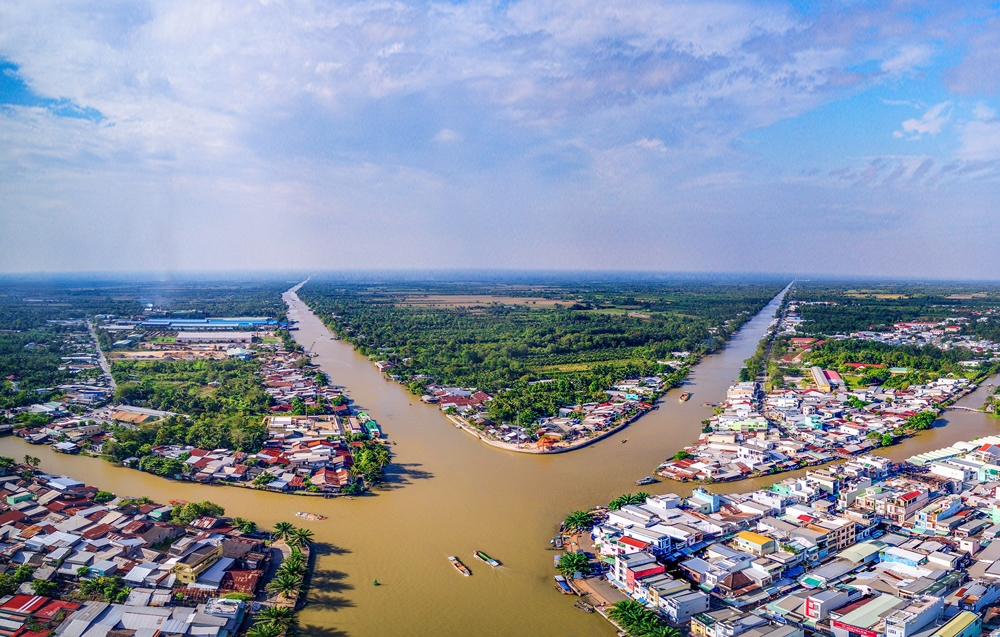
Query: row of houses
[170,578]
[864,548]
[755,433]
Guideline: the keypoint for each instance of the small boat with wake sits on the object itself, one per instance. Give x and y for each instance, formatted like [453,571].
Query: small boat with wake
[309,516]
[483,557]
[647,480]
[461,568]
[683,398]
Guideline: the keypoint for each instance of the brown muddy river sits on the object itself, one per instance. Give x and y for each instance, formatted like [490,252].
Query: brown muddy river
[450,494]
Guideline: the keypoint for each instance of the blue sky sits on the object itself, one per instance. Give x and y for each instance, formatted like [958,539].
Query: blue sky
[838,137]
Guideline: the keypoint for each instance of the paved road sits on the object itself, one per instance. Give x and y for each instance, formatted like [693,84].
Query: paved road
[102,361]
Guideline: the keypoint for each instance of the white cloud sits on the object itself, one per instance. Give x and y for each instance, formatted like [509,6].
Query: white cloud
[907,58]
[980,137]
[930,123]
[446,135]
[651,144]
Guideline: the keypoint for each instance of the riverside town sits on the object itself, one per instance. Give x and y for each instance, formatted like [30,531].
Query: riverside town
[789,500]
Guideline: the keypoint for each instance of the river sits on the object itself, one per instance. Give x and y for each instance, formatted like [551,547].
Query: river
[450,494]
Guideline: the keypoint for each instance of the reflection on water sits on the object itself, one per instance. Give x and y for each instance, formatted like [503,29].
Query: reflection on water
[449,494]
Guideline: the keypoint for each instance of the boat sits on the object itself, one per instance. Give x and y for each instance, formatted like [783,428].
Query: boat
[647,480]
[483,557]
[563,585]
[309,516]
[557,542]
[584,606]
[461,568]
[684,397]
[625,440]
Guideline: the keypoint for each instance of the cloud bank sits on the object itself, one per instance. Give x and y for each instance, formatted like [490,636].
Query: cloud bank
[723,135]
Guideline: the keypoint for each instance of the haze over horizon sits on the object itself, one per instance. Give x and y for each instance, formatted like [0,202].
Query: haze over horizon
[839,138]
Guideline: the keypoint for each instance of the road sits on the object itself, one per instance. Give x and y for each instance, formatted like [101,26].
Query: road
[101,360]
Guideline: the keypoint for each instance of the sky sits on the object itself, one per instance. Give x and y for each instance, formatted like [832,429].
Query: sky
[833,138]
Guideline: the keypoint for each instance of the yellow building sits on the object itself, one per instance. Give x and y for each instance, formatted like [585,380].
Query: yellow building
[755,543]
[964,624]
[189,567]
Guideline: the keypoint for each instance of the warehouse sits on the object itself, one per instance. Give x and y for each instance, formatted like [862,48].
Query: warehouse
[214,337]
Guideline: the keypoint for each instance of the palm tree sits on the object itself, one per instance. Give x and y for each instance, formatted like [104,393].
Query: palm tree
[628,498]
[275,615]
[299,537]
[574,563]
[627,613]
[245,526]
[646,625]
[265,630]
[285,584]
[294,564]
[281,530]
[32,461]
[662,631]
[579,521]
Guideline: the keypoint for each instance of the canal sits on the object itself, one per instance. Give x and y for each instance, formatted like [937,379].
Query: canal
[449,494]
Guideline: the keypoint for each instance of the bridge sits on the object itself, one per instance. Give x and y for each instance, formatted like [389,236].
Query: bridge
[952,407]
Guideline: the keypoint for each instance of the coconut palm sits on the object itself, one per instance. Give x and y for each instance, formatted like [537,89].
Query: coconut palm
[646,625]
[579,521]
[628,498]
[245,526]
[265,630]
[285,584]
[281,530]
[294,564]
[275,615]
[574,563]
[662,631]
[299,537]
[627,612]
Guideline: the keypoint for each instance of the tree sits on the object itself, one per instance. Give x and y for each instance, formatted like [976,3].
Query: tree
[627,612]
[295,563]
[32,461]
[638,620]
[662,631]
[571,563]
[103,496]
[579,521]
[276,615]
[682,455]
[265,630]
[282,530]
[887,440]
[245,526]
[627,499]
[285,584]
[83,571]
[41,587]
[299,537]
[185,514]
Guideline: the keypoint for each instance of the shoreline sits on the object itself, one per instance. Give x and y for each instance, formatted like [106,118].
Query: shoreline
[461,423]
[237,485]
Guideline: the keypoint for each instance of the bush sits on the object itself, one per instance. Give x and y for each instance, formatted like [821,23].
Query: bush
[185,514]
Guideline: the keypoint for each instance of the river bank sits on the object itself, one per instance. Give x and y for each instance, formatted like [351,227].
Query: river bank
[453,495]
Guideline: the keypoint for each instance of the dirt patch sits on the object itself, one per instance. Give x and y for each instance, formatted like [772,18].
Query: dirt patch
[472,300]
